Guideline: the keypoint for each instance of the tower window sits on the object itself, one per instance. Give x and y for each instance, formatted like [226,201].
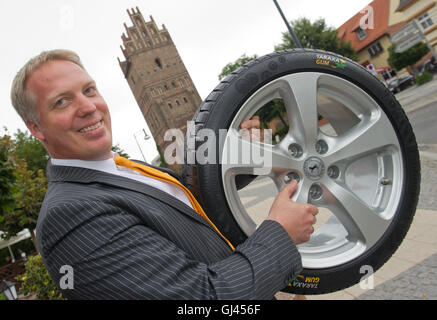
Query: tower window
[177,102]
[158,63]
[185,100]
[170,106]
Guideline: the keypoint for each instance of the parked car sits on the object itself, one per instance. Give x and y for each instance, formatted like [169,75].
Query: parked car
[429,66]
[401,83]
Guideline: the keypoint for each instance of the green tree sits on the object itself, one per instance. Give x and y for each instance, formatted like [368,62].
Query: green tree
[274,109]
[406,58]
[162,162]
[7,177]
[232,66]
[30,150]
[120,151]
[28,193]
[23,188]
[37,281]
[316,35]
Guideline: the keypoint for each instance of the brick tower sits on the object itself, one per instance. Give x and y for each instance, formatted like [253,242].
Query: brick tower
[157,77]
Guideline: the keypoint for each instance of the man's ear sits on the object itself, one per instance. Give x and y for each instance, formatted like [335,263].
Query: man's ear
[35,130]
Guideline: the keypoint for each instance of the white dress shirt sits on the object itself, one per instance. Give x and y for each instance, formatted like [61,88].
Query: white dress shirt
[109,166]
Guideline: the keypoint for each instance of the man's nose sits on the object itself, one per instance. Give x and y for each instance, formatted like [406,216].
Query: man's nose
[85,106]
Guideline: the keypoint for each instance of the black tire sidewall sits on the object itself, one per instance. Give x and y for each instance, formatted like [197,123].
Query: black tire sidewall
[229,96]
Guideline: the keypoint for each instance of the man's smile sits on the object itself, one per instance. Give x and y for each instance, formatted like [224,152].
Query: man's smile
[92,127]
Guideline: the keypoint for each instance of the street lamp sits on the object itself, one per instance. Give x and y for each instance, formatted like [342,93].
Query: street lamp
[8,290]
[146,137]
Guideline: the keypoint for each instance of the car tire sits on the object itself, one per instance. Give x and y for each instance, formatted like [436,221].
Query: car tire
[327,270]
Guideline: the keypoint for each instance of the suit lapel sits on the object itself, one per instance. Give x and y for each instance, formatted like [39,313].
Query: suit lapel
[83,175]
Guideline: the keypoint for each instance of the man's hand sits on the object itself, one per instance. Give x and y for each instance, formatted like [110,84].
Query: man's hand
[296,218]
[250,125]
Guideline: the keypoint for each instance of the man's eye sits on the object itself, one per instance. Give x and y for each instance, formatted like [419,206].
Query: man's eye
[61,102]
[90,90]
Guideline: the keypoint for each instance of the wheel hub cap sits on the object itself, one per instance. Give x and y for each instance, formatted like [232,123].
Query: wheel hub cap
[314,168]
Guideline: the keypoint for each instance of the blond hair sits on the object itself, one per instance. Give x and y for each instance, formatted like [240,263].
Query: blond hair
[23,100]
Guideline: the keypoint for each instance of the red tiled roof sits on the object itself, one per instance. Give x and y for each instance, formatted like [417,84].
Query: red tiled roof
[381,9]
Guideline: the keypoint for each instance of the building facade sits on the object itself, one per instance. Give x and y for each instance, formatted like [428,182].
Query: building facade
[388,17]
[425,13]
[158,78]
[369,32]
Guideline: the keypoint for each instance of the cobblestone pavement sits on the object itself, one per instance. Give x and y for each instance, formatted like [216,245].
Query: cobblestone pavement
[417,283]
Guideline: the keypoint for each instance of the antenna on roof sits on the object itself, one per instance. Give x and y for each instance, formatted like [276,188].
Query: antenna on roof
[290,30]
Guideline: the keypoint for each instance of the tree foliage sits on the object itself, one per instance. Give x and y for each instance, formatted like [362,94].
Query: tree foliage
[406,58]
[232,66]
[274,109]
[29,190]
[30,150]
[37,281]
[7,177]
[22,188]
[120,151]
[316,35]
[162,162]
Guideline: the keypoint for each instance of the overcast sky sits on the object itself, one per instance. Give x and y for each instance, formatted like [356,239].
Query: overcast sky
[208,34]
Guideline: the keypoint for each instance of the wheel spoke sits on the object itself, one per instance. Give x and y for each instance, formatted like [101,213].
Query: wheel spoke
[361,221]
[252,157]
[302,193]
[301,105]
[362,140]
[340,172]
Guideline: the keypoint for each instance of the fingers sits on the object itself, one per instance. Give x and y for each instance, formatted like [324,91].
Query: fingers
[289,189]
[255,122]
[314,210]
[252,123]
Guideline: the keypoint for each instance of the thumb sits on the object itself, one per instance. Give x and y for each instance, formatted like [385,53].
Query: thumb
[289,189]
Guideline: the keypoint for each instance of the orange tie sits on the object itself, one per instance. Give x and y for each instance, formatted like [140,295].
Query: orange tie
[156,174]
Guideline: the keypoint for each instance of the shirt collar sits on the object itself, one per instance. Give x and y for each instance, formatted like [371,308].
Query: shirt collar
[107,165]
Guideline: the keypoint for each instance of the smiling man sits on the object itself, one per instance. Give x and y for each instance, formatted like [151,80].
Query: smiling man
[129,231]
[70,107]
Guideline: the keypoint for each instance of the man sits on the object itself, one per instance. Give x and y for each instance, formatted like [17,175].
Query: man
[127,235]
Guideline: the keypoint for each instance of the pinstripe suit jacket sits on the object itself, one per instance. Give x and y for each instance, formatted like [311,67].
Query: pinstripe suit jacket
[127,240]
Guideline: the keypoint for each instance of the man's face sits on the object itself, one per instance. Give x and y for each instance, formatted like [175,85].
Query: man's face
[74,119]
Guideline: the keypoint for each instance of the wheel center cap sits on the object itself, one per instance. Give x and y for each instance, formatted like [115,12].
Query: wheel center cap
[314,168]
